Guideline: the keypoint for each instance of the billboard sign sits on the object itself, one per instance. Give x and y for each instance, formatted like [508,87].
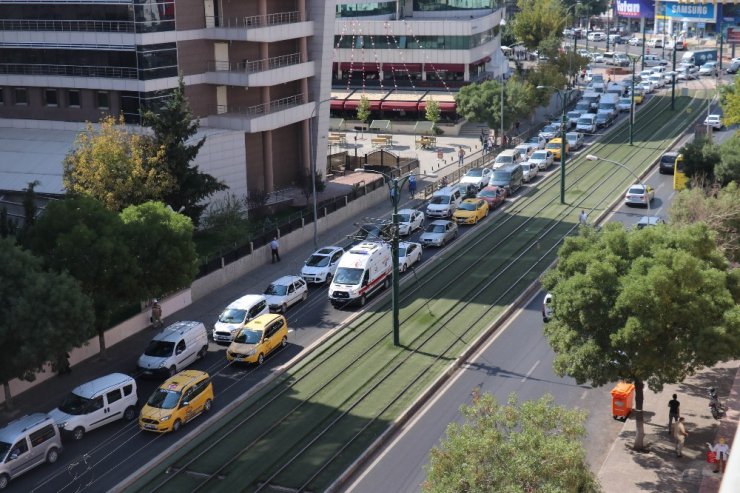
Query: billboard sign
[636,9]
[691,12]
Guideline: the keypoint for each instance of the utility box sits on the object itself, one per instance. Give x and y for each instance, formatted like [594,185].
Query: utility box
[623,395]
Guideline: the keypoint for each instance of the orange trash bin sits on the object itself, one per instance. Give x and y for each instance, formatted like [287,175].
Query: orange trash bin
[623,395]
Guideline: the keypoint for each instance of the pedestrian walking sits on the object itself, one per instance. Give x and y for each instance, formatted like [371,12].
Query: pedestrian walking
[503,141]
[274,248]
[460,156]
[485,147]
[721,452]
[583,218]
[482,136]
[412,186]
[680,434]
[674,411]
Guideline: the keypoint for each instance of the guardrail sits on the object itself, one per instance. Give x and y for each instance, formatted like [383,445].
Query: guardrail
[68,70]
[253,66]
[264,108]
[67,25]
[255,20]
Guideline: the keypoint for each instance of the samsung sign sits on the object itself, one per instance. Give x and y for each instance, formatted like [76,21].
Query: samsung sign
[635,9]
[691,12]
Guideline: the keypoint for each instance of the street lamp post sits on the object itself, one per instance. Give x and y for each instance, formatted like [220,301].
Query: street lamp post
[673,77]
[395,185]
[563,123]
[632,103]
[312,139]
[592,157]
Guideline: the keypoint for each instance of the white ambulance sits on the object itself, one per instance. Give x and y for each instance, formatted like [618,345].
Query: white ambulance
[363,270]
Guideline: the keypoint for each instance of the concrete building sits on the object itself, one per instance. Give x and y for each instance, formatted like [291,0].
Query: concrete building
[255,71]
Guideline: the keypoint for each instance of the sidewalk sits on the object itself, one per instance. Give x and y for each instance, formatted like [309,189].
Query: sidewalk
[658,469]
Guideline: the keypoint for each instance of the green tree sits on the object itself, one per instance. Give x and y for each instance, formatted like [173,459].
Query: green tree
[363,110]
[700,157]
[539,20]
[161,241]
[728,168]
[528,446]
[717,208]
[174,125]
[482,102]
[730,101]
[432,112]
[116,167]
[42,314]
[648,306]
[545,74]
[80,236]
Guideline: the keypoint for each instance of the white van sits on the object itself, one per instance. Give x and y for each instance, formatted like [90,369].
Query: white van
[363,270]
[174,348]
[653,60]
[236,315]
[26,443]
[508,156]
[596,36]
[444,202]
[96,403]
[655,43]
[586,123]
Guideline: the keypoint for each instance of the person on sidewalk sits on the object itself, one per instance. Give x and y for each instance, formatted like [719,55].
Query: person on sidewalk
[680,433]
[583,218]
[721,452]
[274,247]
[412,186]
[674,411]
[460,156]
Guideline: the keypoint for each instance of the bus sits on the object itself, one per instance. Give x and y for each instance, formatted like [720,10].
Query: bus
[679,178]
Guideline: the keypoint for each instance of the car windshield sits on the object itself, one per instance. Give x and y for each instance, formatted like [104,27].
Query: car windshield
[4,447]
[401,252]
[625,101]
[436,228]
[540,155]
[74,404]
[574,114]
[584,121]
[318,261]
[232,316]
[487,193]
[248,336]
[526,167]
[276,290]
[404,218]
[475,172]
[552,128]
[553,145]
[636,190]
[441,199]
[467,206]
[164,399]
[504,159]
[668,159]
[501,176]
[159,349]
[347,275]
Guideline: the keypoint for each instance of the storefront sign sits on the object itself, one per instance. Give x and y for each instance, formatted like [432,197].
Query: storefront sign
[636,9]
[691,12]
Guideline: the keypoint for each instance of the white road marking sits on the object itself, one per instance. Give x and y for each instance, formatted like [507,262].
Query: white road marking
[537,363]
[584,394]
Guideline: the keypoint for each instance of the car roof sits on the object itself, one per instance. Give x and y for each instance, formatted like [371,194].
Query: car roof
[9,433]
[92,388]
[328,250]
[440,221]
[406,244]
[407,211]
[285,280]
[472,200]
[176,330]
[182,379]
[246,301]
[259,323]
[445,191]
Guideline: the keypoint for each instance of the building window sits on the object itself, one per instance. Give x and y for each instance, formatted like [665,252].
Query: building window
[2,96]
[21,95]
[103,100]
[50,97]
[73,97]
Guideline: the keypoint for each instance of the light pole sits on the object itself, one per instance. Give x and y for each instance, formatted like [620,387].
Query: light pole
[632,103]
[395,185]
[592,157]
[673,77]
[312,140]
[563,123]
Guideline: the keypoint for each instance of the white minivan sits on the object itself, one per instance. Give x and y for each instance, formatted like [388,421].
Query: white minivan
[236,315]
[26,443]
[174,348]
[95,404]
[444,202]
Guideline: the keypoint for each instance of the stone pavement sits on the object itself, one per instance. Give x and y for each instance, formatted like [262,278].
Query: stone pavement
[658,469]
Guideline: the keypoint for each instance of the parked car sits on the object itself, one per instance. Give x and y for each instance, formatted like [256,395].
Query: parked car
[587,124]
[709,68]
[733,67]
[409,253]
[177,401]
[525,149]
[409,220]
[236,315]
[647,86]
[555,146]
[438,233]
[637,195]
[646,221]
[321,265]
[16,457]
[477,176]
[573,117]
[529,170]
[372,232]
[714,121]
[547,309]
[639,95]
[667,163]
[537,141]
[668,77]
[657,80]
[576,140]
[285,292]
[550,131]
[258,339]
[624,104]
[635,41]
[543,159]
[173,349]
[467,190]
[603,119]
[493,195]
[471,211]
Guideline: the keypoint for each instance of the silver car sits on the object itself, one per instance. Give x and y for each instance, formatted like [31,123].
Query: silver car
[438,233]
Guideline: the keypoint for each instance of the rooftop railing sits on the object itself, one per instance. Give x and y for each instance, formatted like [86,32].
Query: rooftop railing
[265,108]
[253,66]
[255,20]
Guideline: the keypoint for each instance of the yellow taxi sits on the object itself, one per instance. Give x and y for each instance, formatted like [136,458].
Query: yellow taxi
[259,338]
[639,96]
[554,146]
[178,400]
[471,211]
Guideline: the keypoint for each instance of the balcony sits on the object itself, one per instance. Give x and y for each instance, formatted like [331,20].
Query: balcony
[262,117]
[268,28]
[68,70]
[259,73]
[67,25]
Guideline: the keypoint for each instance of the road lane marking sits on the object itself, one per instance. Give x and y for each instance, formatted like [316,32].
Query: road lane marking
[537,363]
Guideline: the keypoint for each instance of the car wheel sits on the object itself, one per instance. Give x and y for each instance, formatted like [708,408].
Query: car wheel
[328,279]
[363,300]
[207,406]
[202,353]
[260,359]
[4,480]
[130,413]
[387,283]
[284,342]
[176,425]
[305,296]
[284,308]
[173,370]
[78,433]
[52,455]
[402,268]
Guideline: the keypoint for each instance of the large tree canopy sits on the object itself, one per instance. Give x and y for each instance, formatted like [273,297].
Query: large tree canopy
[482,102]
[730,100]
[517,447]
[539,20]
[647,306]
[42,314]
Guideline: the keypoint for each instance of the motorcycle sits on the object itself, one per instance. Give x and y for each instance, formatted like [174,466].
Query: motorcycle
[715,406]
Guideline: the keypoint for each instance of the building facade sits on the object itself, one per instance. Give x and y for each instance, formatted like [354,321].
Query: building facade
[252,68]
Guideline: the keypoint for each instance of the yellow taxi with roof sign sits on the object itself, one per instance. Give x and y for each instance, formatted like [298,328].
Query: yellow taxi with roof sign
[178,400]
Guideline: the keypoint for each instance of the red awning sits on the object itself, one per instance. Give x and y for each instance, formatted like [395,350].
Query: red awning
[402,67]
[449,67]
[359,67]
[482,61]
[444,106]
[337,104]
[399,105]
[354,103]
